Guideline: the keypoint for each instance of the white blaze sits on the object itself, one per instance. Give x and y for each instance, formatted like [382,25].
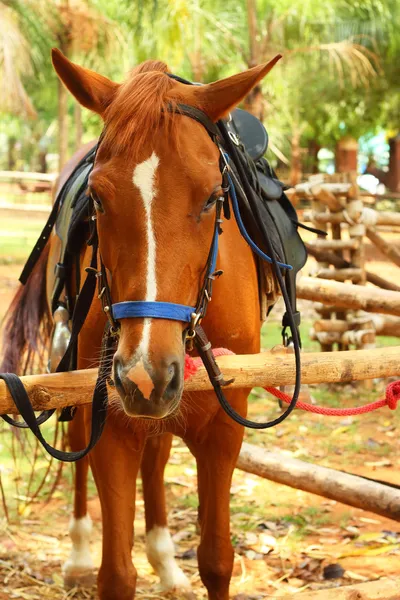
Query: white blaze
[143,177]
[160,553]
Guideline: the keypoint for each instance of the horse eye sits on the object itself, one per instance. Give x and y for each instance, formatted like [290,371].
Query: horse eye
[210,202]
[97,202]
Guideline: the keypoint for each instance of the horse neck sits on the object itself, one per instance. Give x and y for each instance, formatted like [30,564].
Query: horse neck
[233,317]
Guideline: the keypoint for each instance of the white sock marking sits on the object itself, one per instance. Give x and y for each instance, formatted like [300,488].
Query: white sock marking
[160,553]
[80,558]
[143,178]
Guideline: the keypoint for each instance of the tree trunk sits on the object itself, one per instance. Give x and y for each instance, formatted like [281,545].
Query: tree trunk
[64,44]
[254,102]
[78,125]
[313,149]
[43,161]
[346,155]
[12,156]
[62,125]
[295,165]
[394,164]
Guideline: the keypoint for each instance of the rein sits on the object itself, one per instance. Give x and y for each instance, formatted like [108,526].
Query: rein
[235,184]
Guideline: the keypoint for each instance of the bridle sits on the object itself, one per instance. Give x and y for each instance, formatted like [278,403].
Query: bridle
[235,184]
[194,315]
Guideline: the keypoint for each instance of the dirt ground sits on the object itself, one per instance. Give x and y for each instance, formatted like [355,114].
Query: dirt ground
[283,538]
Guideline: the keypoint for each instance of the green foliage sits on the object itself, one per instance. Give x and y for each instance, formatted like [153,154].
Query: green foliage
[339,74]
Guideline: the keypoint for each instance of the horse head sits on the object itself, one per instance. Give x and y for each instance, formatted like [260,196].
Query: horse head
[155,185]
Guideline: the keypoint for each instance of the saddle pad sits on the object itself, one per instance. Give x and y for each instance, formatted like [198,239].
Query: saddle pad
[74,207]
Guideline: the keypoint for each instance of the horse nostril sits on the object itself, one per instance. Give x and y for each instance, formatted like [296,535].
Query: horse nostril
[118,368]
[174,379]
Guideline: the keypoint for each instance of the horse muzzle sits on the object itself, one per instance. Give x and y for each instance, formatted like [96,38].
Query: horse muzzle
[148,390]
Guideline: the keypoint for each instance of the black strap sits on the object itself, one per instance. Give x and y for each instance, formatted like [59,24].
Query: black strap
[198,115]
[99,404]
[80,313]
[42,241]
[47,229]
[42,418]
[290,311]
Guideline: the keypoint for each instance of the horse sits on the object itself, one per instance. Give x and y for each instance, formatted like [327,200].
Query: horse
[155,185]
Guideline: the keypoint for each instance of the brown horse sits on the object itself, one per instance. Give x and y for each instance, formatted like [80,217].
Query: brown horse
[154,184]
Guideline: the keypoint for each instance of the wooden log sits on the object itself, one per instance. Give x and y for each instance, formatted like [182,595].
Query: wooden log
[387,248]
[326,310]
[323,481]
[351,274]
[378,322]
[326,197]
[354,210]
[272,368]
[381,282]
[385,325]
[353,337]
[336,325]
[380,589]
[346,295]
[306,189]
[341,263]
[25,176]
[320,244]
[382,218]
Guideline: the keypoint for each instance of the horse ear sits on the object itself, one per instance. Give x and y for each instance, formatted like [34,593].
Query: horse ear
[92,90]
[219,98]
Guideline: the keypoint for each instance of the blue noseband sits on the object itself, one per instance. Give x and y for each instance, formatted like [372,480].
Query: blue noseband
[154,310]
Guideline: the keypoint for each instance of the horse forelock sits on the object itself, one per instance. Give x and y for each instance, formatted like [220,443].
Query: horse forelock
[139,108]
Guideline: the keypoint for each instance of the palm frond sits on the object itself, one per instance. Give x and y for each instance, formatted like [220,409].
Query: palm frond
[15,62]
[362,64]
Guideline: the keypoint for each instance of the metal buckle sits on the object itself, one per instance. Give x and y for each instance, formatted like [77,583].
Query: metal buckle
[191,330]
[194,321]
[234,137]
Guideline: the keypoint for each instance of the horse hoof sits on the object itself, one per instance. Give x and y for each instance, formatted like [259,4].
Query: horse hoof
[79,578]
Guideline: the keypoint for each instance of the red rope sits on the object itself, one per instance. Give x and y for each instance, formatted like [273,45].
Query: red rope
[392,395]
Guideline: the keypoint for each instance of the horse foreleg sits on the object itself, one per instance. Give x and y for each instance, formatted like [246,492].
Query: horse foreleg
[115,462]
[159,545]
[216,458]
[78,569]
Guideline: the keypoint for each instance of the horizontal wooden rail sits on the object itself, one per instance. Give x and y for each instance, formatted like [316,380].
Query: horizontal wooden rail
[26,176]
[373,496]
[272,368]
[382,218]
[381,589]
[346,295]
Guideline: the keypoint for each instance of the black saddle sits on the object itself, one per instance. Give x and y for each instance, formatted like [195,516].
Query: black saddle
[254,138]
[251,132]
[278,215]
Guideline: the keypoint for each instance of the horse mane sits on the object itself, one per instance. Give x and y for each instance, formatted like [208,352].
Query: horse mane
[139,108]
